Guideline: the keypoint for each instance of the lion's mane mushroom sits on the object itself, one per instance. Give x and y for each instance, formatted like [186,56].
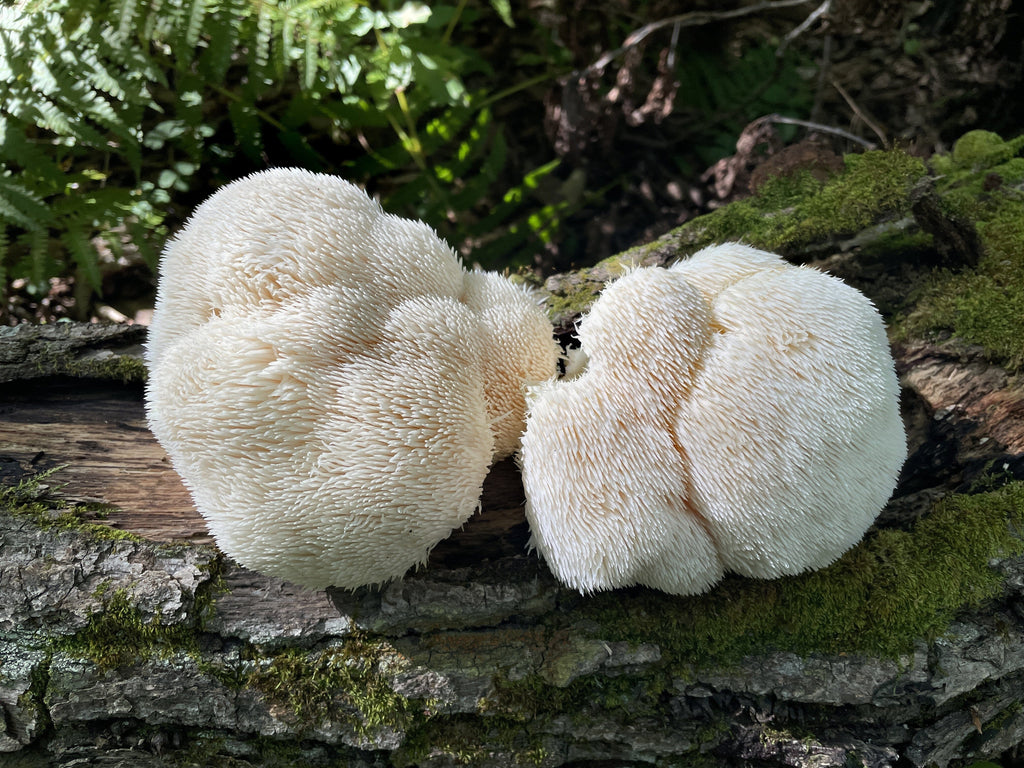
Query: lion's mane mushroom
[732,413]
[330,382]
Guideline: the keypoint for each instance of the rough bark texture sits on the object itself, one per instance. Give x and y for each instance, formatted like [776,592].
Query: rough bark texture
[126,639]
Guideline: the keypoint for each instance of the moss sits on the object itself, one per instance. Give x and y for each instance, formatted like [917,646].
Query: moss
[571,294]
[534,698]
[472,740]
[349,682]
[572,301]
[99,364]
[998,721]
[892,590]
[123,368]
[120,635]
[792,211]
[788,212]
[981,182]
[978,150]
[31,498]
[32,700]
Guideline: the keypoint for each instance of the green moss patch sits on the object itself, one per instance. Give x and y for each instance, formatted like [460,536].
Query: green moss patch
[120,635]
[893,589]
[471,740]
[33,498]
[791,211]
[123,368]
[350,683]
[981,181]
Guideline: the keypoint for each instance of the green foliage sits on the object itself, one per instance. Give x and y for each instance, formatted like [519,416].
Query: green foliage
[109,111]
[724,92]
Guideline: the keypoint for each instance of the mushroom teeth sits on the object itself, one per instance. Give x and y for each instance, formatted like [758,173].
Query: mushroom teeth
[327,378]
[736,413]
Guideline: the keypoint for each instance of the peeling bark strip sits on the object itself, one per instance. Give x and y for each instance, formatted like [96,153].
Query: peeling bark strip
[139,650]
[954,379]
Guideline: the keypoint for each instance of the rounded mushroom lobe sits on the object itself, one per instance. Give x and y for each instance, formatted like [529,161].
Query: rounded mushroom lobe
[753,399]
[519,350]
[321,381]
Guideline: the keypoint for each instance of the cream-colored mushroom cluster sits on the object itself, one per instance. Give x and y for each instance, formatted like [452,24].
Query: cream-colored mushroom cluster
[330,382]
[333,387]
[731,413]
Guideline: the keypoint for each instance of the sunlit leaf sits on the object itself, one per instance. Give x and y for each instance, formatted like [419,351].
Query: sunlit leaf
[504,9]
[410,13]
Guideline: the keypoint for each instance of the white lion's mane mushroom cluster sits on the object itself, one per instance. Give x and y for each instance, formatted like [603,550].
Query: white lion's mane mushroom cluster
[730,413]
[333,387]
[329,380]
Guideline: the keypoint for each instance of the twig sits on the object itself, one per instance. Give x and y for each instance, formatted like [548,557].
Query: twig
[693,19]
[819,127]
[824,74]
[670,60]
[817,13]
[859,113]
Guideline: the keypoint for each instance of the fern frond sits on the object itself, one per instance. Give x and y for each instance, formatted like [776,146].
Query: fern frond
[5,242]
[40,262]
[260,56]
[16,148]
[246,124]
[310,60]
[76,239]
[51,117]
[194,25]
[125,17]
[224,30]
[21,205]
[157,20]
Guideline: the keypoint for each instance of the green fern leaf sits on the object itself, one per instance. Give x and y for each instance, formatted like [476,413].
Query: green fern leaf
[261,44]
[246,124]
[17,149]
[223,28]
[310,60]
[126,13]
[504,9]
[40,262]
[76,239]
[22,206]
[158,20]
[194,27]
[5,242]
[53,118]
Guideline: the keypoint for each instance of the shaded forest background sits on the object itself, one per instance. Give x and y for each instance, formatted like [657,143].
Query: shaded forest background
[538,136]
